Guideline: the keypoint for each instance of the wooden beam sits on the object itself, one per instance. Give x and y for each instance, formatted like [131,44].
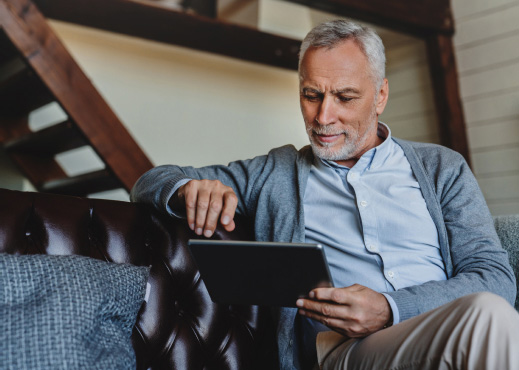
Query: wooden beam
[444,75]
[177,28]
[415,17]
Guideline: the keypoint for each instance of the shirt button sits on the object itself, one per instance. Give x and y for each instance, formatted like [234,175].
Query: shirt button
[363,203]
[372,248]
[353,176]
[391,274]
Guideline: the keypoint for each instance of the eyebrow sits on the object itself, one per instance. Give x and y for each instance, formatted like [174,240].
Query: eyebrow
[346,90]
[311,89]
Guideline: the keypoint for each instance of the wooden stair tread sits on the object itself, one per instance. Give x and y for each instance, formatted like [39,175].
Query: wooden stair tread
[82,185]
[21,90]
[9,67]
[50,141]
[7,49]
[38,168]
[17,80]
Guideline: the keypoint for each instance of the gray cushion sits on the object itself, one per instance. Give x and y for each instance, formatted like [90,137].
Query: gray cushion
[507,228]
[68,312]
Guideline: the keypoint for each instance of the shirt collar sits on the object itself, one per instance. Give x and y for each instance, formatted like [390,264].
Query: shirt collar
[374,157]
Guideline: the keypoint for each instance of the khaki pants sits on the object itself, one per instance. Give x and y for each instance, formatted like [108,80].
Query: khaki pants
[479,331]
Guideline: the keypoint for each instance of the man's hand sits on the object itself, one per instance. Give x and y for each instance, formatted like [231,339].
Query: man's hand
[206,201]
[354,311]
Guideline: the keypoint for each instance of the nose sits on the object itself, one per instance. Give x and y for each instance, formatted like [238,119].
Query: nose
[327,111]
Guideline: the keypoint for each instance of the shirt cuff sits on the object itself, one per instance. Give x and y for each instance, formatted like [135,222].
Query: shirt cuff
[394,308]
[171,193]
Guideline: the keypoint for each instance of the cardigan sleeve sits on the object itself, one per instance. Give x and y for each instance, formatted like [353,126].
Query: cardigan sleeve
[473,255]
[248,178]
[157,186]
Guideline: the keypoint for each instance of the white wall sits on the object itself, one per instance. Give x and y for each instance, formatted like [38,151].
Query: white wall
[189,107]
[487,47]
[194,108]
[411,112]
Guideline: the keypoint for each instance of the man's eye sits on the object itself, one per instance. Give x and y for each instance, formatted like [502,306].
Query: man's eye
[345,99]
[312,97]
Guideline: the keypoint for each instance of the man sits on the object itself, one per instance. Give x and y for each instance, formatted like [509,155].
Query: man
[405,228]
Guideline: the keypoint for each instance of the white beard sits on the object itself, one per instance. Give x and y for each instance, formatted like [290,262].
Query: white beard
[351,146]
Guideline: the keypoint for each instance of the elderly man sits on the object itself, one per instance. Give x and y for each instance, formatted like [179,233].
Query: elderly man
[406,231]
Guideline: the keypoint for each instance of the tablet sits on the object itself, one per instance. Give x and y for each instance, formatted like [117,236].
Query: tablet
[260,273]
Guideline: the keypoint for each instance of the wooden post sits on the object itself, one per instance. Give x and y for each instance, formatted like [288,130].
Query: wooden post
[444,75]
[415,17]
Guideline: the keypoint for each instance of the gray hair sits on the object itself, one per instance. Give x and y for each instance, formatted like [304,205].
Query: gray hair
[330,34]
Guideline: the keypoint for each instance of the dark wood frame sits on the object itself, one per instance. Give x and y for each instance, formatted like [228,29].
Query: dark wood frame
[430,20]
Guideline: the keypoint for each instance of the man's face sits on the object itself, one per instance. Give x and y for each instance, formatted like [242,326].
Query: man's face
[340,102]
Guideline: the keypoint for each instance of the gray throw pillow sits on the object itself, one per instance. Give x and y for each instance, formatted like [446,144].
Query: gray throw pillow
[68,312]
[507,228]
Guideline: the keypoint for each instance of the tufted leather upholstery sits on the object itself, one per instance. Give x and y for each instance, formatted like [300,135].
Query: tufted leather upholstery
[179,327]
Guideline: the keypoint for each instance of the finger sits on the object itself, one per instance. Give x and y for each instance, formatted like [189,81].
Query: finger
[230,202]
[326,309]
[314,316]
[331,322]
[343,326]
[338,295]
[202,205]
[230,227]
[190,194]
[213,212]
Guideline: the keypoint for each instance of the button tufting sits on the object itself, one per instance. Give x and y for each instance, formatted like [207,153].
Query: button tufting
[174,329]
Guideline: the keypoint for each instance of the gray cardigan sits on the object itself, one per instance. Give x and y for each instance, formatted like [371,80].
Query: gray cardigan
[271,189]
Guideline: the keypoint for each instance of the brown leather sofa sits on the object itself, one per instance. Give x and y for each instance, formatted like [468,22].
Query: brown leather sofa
[179,327]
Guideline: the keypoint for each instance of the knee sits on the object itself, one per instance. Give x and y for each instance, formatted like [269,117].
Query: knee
[486,302]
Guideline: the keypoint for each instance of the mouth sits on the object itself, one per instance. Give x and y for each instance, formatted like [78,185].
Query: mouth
[326,138]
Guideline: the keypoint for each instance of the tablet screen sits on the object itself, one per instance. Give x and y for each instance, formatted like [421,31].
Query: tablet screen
[260,273]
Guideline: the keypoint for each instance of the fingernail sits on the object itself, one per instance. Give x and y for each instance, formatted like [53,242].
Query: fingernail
[225,220]
[311,294]
[199,231]
[299,303]
[192,226]
[208,233]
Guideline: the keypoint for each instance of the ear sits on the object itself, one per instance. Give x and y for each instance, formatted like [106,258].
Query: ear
[382,97]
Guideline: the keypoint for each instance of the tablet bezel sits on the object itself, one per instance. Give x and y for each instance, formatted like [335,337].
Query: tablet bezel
[260,273]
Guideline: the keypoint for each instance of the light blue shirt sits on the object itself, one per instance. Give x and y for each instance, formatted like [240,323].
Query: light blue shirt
[373,223]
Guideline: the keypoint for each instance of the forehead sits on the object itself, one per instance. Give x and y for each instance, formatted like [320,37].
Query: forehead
[341,64]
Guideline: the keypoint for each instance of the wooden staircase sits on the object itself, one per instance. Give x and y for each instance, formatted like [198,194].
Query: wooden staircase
[35,70]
